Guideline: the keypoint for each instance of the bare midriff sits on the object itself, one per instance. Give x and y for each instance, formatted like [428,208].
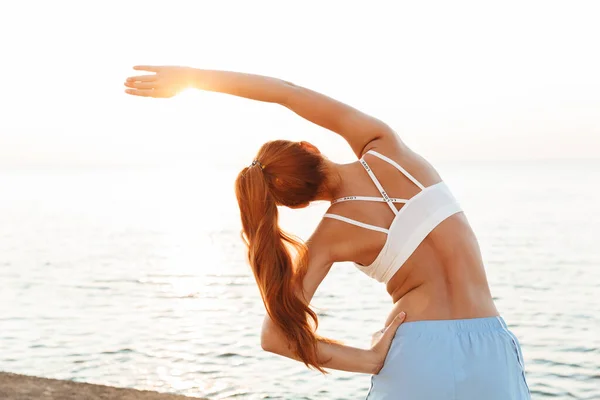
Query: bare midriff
[444,278]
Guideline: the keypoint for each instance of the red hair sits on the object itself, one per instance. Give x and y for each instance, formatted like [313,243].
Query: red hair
[286,174]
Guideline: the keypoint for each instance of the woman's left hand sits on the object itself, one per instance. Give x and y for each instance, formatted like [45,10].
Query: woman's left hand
[166,81]
[382,340]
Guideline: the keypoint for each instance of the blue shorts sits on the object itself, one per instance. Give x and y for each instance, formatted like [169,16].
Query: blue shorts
[464,359]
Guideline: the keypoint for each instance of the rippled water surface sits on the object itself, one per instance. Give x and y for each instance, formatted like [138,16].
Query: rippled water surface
[138,278]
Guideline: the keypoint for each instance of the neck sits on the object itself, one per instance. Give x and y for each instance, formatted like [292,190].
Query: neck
[335,177]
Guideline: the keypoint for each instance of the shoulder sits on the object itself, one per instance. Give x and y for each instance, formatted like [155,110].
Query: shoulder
[398,151]
[389,143]
[331,242]
[322,243]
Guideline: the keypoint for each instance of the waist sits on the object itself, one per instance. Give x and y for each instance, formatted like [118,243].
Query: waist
[435,302]
[452,326]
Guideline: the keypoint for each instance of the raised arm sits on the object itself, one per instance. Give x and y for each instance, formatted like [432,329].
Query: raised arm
[356,127]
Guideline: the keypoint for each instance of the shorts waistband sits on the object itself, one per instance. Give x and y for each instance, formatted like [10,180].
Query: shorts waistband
[486,324]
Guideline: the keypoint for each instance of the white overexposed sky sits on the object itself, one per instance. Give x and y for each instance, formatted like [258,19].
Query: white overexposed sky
[458,80]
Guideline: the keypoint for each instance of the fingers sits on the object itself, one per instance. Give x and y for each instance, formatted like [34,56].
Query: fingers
[149,68]
[141,92]
[400,318]
[396,322]
[140,85]
[142,78]
[159,94]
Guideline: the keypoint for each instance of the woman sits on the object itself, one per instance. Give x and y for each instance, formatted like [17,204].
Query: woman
[393,216]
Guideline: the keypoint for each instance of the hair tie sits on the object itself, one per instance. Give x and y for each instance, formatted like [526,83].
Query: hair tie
[256,162]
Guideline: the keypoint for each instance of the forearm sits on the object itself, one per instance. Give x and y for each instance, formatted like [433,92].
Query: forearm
[250,86]
[347,358]
[334,356]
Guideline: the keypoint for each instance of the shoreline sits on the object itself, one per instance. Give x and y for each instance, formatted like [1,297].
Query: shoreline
[26,387]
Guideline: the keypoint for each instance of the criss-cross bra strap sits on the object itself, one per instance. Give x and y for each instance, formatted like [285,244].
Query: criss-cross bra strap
[386,198]
[398,167]
[368,198]
[357,223]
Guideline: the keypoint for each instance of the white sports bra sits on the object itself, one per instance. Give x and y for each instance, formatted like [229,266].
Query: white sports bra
[411,224]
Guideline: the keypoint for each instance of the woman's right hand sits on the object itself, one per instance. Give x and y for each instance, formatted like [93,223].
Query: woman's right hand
[382,340]
[166,81]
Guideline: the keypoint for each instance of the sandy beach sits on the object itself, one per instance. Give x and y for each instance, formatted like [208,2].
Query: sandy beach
[23,387]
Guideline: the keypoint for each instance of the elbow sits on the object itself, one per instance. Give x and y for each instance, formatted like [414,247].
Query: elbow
[267,342]
[267,346]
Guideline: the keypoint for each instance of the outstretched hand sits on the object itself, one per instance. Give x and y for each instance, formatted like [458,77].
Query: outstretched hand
[166,81]
[382,340]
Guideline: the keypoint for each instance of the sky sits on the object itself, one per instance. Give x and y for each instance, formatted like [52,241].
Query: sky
[457,80]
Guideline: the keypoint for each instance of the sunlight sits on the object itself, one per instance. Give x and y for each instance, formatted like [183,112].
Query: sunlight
[466,104]
[186,94]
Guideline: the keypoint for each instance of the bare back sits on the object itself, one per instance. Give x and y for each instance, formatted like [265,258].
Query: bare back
[444,277]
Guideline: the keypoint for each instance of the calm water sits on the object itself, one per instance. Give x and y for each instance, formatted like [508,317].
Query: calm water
[138,278]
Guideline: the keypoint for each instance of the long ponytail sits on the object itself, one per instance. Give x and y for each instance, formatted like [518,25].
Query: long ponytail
[287,174]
